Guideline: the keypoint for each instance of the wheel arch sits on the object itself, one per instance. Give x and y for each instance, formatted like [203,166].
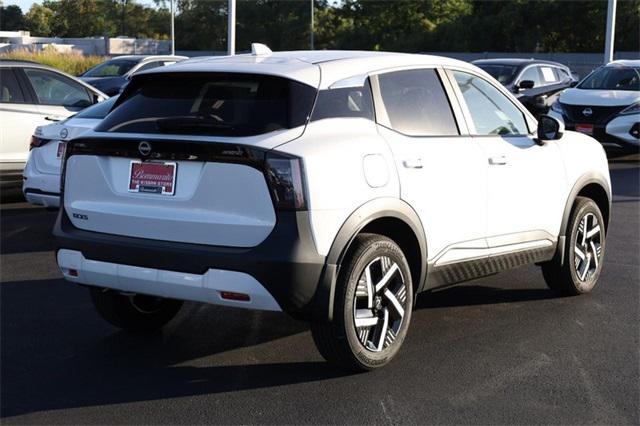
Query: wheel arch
[595,187]
[390,217]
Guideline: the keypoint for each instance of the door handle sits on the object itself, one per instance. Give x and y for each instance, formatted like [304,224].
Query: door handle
[498,160]
[413,163]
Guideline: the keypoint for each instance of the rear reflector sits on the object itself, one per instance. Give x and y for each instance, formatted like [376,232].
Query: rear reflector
[240,297]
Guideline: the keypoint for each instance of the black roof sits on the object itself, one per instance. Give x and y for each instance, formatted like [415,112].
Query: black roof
[515,62]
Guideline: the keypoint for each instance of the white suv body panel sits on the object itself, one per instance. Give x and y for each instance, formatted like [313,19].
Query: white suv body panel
[215,204]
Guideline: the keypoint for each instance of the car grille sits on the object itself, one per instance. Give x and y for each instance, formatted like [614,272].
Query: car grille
[600,114]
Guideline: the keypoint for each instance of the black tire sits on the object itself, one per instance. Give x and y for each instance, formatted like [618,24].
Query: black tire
[134,313]
[575,276]
[362,349]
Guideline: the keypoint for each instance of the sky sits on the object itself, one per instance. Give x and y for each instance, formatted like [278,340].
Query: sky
[26,4]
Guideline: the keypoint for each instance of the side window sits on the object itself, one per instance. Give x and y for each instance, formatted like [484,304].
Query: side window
[548,76]
[532,74]
[417,104]
[150,65]
[55,89]
[10,91]
[562,74]
[354,102]
[492,112]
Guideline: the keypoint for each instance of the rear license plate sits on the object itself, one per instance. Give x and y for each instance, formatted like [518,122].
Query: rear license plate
[587,129]
[60,150]
[152,177]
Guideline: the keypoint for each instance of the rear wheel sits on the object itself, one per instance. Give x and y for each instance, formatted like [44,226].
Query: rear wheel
[584,251]
[134,312]
[372,308]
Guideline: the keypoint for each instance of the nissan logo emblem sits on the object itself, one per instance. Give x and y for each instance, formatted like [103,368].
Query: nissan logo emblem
[144,148]
[64,133]
[587,112]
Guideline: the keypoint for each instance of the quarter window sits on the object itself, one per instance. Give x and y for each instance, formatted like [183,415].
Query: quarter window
[351,102]
[55,89]
[491,111]
[417,104]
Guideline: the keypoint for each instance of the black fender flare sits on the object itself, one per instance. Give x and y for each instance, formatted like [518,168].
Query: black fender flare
[387,207]
[581,183]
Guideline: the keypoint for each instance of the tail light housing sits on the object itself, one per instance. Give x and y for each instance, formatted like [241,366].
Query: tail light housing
[286,181]
[37,142]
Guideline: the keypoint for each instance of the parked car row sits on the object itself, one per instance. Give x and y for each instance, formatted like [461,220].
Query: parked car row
[32,95]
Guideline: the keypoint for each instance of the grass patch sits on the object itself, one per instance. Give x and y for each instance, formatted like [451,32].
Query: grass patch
[71,63]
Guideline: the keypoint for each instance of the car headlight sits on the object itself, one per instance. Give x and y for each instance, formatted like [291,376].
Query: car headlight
[557,107]
[631,109]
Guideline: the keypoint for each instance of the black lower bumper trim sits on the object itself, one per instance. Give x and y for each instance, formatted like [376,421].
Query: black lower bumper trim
[286,263]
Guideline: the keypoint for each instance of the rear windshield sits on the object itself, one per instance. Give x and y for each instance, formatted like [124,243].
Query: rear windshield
[613,78]
[503,73]
[214,104]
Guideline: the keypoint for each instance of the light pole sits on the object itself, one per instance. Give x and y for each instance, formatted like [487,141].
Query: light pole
[611,32]
[173,32]
[231,28]
[312,23]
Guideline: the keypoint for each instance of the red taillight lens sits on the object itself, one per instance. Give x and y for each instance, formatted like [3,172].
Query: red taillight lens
[285,178]
[37,142]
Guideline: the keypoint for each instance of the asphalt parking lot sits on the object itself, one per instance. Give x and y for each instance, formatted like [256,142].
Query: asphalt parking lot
[498,350]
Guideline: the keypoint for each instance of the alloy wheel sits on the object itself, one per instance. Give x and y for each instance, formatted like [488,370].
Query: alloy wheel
[379,304]
[588,247]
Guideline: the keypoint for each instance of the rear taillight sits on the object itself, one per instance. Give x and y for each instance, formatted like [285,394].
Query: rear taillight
[285,178]
[37,142]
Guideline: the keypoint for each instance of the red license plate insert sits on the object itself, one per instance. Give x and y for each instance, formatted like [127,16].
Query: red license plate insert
[152,177]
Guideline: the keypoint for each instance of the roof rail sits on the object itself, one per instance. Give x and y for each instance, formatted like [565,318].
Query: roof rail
[19,60]
[260,49]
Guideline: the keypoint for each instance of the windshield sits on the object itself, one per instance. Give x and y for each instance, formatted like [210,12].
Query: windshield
[216,104]
[503,73]
[613,78]
[112,68]
[99,110]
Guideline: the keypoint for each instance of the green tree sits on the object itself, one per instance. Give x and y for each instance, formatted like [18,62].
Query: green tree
[11,18]
[38,20]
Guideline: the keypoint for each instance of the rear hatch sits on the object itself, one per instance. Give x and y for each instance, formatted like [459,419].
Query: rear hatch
[186,158]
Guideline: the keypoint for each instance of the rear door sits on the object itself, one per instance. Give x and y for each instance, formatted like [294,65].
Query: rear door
[526,181]
[441,169]
[19,117]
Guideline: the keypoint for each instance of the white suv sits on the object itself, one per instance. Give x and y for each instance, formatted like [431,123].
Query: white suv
[334,186]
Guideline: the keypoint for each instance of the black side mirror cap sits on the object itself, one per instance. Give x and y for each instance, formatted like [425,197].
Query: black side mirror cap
[549,129]
[526,84]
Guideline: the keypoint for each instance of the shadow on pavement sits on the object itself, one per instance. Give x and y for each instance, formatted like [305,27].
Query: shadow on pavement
[469,295]
[72,358]
[26,230]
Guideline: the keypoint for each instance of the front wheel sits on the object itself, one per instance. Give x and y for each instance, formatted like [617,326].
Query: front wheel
[584,251]
[134,312]
[372,307]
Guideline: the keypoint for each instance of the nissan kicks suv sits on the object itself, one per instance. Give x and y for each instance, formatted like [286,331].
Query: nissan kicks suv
[334,186]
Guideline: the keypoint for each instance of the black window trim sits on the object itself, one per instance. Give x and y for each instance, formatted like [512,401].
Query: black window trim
[530,122]
[380,112]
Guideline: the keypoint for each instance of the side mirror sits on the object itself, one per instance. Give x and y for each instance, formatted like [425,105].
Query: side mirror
[526,84]
[549,129]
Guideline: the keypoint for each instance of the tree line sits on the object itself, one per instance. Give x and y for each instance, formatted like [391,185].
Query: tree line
[397,25]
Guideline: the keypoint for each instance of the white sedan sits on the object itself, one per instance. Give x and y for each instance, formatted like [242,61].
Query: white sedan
[41,176]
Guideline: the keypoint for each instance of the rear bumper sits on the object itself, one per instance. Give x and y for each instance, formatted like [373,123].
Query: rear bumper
[41,198]
[285,264]
[207,287]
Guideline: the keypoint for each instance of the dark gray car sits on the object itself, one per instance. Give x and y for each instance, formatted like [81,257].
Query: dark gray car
[536,83]
[111,76]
